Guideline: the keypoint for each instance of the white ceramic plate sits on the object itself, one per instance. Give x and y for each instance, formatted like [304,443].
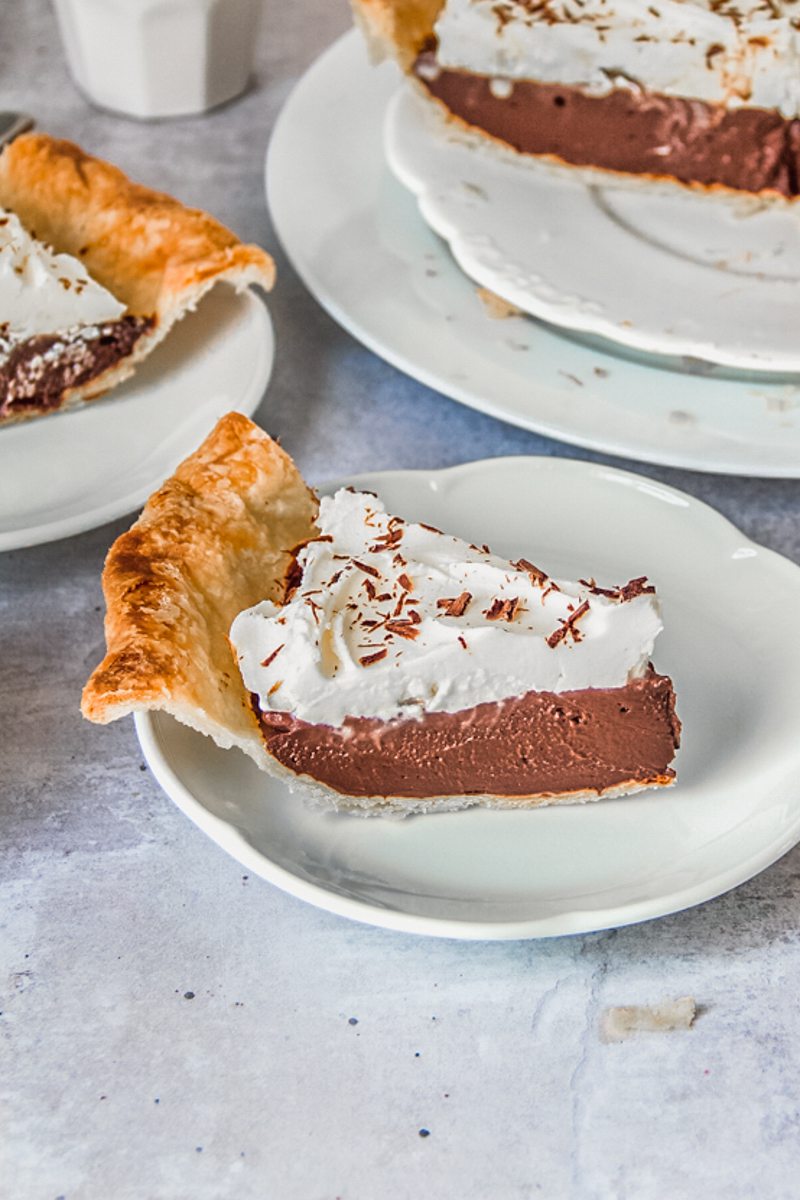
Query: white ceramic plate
[349,227]
[483,874]
[662,270]
[63,474]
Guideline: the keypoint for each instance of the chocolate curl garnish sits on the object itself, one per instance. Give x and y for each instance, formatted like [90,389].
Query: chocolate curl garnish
[406,582]
[275,687]
[368,570]
[405,629]
[430,528]
[636,587]
[568,626]
[630,590]
[370,589]
[454,606]
[536,576]
[387,541]
[315,608]
[462,641]
[367,659]
[502,610]
[271,657]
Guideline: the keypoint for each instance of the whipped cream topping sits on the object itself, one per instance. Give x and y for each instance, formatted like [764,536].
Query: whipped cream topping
[42,292]
[392,619]
[733,52]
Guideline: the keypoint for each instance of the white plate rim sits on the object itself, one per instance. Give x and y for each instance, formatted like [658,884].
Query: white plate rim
[100,513]
[406,107]
[733,460]
[576,921]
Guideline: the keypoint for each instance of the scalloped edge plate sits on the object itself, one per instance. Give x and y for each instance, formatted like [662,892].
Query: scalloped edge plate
[499,875]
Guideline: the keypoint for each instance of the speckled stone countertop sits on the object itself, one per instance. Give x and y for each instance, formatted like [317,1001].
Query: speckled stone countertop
[173,1029]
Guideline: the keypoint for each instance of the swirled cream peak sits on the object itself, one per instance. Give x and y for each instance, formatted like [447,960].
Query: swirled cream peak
[733,52]
[394,619]
[42,292]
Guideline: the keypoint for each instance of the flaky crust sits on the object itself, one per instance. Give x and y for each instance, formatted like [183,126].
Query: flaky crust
[215,539]
[154,254]
[396,28]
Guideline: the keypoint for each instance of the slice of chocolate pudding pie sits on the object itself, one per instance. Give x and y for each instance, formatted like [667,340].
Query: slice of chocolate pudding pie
[700,91]
[384,665]
[94,272]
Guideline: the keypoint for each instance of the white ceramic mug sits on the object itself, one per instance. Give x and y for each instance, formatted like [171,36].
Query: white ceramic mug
[159,58]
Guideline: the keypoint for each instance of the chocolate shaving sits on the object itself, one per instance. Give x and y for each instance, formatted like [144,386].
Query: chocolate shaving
[367,659]
[271,657]
[629,591]
[315,609]
[430,528]
[636,587]
[454,606]
[370,589]
[502,610]
[536,576]
[275,687]
[387,541]
[406,583]
[462,641]
[405,629]
[368,570]
[568,626]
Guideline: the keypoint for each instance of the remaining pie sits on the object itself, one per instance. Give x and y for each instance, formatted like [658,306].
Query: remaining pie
[383,664]
[702,91]
[94,271]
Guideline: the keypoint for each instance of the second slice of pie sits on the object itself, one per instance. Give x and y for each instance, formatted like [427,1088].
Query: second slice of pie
[94,272]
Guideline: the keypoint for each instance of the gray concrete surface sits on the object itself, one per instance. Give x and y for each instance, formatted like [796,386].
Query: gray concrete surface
[172,1029]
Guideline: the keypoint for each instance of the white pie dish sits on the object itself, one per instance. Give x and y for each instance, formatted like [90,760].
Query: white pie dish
[347,225]
[658,268]
[479,874]
[68,472]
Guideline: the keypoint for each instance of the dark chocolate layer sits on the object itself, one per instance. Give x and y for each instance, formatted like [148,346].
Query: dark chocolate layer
[36,373]
[639,132]
[540,743]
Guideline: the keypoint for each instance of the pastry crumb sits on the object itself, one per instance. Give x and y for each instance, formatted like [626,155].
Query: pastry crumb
[496,307]
[617,1024]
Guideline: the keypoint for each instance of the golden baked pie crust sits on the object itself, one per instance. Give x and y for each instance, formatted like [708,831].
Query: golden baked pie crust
[155,255]
[215,539]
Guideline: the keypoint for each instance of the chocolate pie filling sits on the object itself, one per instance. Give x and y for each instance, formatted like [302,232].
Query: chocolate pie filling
[540,743]
[636,131]
[36,373]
